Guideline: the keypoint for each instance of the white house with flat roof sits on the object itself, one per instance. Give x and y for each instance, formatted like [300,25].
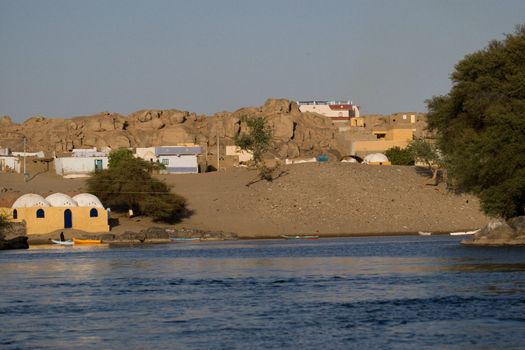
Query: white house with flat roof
[179,159]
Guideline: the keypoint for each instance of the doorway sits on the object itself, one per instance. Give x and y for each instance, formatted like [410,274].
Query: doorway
[68,219]
[98,164]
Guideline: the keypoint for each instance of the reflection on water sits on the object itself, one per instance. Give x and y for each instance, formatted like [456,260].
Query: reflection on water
[393,292]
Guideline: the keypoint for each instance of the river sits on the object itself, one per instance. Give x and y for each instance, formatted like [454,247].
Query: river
[347,293]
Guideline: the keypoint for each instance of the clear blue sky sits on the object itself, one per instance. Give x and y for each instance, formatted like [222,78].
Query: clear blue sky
[66,58]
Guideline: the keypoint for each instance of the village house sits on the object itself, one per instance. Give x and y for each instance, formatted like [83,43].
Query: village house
[181,159]
[59,211]
[81,162]
[8,162]
[337,111]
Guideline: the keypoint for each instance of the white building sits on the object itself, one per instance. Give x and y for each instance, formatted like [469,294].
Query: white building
[178,159]
[9,163]
[338,111]
[81,163]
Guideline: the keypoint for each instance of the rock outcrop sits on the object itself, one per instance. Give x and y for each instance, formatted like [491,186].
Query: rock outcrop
[499,232]
[13,236]
[296,134]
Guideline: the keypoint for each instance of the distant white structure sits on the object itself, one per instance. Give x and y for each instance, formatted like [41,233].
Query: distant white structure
[9,163]
[376,159]
[338,111]
[39,154]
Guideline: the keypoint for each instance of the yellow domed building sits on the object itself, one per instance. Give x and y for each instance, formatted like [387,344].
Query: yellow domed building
[59,211]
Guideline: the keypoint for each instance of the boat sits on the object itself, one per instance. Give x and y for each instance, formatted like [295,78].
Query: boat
[186,239]
[87,241]
[68,242]
[466,233]
[423,233]
[299,237]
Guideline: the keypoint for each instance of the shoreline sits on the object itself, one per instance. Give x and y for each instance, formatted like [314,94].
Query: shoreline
[45,239]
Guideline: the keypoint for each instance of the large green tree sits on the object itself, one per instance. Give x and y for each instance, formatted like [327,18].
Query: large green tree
[128,184]
[480,125]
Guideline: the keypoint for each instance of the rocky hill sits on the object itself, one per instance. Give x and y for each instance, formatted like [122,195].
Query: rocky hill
[295,133]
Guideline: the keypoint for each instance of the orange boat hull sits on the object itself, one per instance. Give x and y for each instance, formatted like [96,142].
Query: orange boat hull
[87,241]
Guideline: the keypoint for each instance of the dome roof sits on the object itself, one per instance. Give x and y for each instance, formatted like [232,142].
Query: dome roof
[88,200]
[61,200]
[30,200]
[375,158]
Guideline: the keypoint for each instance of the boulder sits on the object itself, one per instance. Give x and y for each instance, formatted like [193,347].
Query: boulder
[107,124]
[499,232]
[272,106]
[518,225]
[154,233]
[496,230]
[19,242]
[175,134]
[176,117]
[283,127]
[6,121]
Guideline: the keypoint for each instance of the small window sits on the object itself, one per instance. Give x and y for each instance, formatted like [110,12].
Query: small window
[165,161]
[40,213]
[15,214]
[380,136]
[93,213]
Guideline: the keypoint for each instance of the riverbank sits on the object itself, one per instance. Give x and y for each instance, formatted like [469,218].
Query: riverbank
[334,199]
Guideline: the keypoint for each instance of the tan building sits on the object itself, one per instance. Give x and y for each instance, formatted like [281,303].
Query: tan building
[385,138]
[58,211]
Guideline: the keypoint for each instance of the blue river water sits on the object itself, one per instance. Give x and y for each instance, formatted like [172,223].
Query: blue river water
[347,293]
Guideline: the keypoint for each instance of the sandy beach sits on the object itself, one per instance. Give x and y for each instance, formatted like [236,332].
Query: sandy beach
[334,199]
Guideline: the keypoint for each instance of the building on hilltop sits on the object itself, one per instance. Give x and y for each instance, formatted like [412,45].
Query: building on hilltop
[59,211]
[337,111]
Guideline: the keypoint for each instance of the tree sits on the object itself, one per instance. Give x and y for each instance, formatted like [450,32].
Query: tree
[480,125]
[119,156]
[128,184]
[399,156]
[257,141]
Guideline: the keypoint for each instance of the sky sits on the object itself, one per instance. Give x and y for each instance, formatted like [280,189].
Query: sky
[71,57]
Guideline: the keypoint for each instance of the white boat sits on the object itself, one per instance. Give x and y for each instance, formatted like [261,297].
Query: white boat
[465,233]
[422,233]
[68,242]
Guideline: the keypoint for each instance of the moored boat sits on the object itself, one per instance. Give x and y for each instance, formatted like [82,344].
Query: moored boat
[423,233]
[299,237]
[68,242]
[466,233]
[87,241]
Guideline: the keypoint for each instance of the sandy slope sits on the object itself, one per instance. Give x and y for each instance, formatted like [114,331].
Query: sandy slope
[336,198]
